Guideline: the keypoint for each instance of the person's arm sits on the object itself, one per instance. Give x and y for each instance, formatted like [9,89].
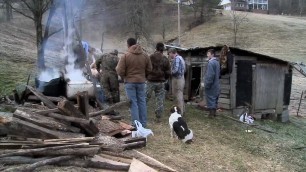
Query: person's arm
[120,68]
[167,68]
[175,66]
[230,62]
[148,65]
[209,76]
[98,64]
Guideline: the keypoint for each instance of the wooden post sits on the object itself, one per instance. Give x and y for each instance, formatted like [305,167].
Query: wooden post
[82,99]
[68,109]
[297,114]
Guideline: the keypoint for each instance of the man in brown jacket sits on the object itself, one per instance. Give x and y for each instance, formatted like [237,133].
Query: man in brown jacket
[133,67]
[157,78]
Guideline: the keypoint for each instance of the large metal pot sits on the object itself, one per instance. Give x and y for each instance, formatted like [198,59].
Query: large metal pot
[74,87]
[55,87]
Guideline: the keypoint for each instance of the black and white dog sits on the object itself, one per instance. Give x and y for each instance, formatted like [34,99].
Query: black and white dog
[179,126]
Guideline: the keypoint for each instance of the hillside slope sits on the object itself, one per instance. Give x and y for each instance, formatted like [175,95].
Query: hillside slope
[278,36]
[17,53]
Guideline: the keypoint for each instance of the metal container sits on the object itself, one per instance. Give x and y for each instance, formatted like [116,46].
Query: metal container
[54,87]
[74,87]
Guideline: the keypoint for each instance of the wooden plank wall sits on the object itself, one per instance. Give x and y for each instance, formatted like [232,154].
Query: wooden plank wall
[224,101]
[269,87]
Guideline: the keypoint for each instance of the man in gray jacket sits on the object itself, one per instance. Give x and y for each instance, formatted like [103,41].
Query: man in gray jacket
[212,83]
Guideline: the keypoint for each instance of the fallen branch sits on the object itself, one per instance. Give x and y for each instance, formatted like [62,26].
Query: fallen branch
[251,125]
[68,118]
[303,147]
[111,108]
[15,160]
[32,167]
[28,151]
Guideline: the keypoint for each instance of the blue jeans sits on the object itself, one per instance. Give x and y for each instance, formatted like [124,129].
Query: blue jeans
[136,92]
[101,97]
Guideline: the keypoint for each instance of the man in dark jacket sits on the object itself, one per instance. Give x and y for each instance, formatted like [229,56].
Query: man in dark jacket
[161,71]
[133,67]
[212,82]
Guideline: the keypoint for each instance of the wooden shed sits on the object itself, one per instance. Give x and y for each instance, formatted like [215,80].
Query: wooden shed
[262,81]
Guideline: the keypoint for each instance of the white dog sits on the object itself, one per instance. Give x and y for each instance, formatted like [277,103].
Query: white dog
[179,126]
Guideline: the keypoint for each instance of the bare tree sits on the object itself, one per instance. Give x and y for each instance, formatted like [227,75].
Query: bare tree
[301,6]
[237,18]
[139,14]
[35,10]
[204,7]
[9,12]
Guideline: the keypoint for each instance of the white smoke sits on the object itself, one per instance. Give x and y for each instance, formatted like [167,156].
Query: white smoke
[48,75]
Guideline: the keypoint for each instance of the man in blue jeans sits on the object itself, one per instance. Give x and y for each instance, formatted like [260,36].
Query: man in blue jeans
[133,67]
[212,83]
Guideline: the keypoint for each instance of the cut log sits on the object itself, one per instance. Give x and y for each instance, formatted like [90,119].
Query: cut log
[45,122]
[15,160]
[68,151]
[137,166]
[134,145]
[53,99]
[42,97]
[5,118]
[83,103]
[135,139]
[31,151]
[27,129]
[111,108]
[43,112]
[68,109]
[32,167]
[88,163]
[70,140]
[68,118]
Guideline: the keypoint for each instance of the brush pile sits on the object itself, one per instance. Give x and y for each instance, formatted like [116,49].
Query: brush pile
[68,134]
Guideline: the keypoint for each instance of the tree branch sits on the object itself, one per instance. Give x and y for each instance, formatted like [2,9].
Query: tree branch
[51,34]
[20,12]
[47,5]
[29,6]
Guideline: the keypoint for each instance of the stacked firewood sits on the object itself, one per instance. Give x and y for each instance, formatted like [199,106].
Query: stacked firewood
[70,135]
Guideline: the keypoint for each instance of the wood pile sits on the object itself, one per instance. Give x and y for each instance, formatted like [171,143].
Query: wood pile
[70,135]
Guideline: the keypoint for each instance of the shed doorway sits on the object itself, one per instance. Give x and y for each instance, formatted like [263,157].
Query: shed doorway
[244,86]
[195,81]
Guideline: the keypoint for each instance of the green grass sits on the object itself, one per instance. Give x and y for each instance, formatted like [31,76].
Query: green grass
[13,74]
[223,145]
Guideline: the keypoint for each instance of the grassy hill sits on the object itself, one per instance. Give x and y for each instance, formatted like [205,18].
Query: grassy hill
[278,36]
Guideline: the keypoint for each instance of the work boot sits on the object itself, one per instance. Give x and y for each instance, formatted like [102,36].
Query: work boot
[211,113]
[214,112]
